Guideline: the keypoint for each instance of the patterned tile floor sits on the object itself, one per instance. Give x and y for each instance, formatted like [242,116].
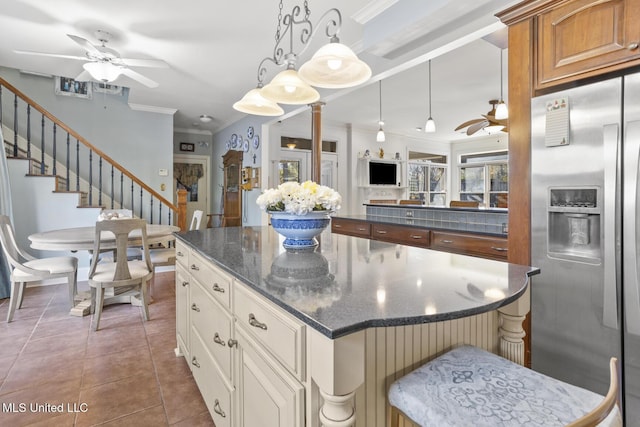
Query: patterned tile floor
[125,374]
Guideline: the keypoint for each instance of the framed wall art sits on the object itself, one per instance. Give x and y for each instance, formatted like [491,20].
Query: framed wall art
[109,89]
[187,146]
[66,86]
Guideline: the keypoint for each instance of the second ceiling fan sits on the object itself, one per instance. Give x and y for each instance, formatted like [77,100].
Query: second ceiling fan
[105,64]
[488,122]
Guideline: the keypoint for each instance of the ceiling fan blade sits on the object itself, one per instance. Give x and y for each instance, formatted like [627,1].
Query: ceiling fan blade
[139,77]
[84,76]
[476,127]
[469,123]
[54,55]
[85,44]
[155,63]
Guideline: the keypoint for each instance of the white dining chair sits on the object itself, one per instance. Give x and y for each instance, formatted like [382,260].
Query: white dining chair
[121,271]
[162,257]
[26,268]
[468,386]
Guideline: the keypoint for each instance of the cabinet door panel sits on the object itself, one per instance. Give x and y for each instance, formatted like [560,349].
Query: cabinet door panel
[484,246]
[268,395]
[350,227]
[182,310]
[399,234]
[581,38]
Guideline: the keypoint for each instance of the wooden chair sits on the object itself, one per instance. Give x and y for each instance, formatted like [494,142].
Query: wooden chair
[383,201]
[470,386]
[411,202]
[121,272]
[26,268]
[463,204]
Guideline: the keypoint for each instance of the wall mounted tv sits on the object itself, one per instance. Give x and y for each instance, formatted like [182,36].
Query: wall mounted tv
[383,173]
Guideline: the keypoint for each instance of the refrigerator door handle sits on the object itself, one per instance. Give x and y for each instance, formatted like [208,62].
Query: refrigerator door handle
[631,281]
[611,137]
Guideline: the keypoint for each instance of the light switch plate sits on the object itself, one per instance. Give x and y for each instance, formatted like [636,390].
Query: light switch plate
[163,172]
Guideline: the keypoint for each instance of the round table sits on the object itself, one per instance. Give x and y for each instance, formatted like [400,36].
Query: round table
[82,238]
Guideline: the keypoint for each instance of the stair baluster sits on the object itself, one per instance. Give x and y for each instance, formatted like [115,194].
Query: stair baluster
[15,126]
[141,202]
[100,181]
[55,128]
[121,189]
[151,211]
[132,206]
[66,185]
[77,165]
[28,131]
[90,177]
[112,195]
[42,140]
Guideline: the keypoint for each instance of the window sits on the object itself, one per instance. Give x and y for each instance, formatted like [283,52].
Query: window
[484,177]
[427,178]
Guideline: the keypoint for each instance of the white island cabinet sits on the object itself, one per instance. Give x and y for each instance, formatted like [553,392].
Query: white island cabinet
[284,339]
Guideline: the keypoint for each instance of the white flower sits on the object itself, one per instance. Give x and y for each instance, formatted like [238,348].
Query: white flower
[299,199]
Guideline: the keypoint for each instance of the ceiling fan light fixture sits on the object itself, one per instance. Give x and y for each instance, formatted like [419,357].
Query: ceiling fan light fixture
[204,118]
[103,71]
[335,66]
[288,88]
[254,103]
[493,129]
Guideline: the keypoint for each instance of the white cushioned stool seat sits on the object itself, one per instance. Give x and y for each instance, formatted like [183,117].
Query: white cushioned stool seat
[468,386]
[54,265]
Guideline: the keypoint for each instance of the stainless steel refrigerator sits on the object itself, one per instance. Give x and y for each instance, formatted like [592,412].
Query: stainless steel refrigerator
[585,304]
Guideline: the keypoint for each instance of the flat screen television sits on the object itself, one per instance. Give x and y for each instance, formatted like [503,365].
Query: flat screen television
[382,173]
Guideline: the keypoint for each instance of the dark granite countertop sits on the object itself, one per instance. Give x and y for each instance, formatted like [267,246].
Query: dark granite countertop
[348,283]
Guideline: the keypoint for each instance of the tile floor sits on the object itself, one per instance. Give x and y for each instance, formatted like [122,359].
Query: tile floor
[125,374]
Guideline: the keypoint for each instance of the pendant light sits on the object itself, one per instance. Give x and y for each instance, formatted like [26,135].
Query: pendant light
[501,110]
[254,103]
[430,126]
[103,71]
[288,88]
[380,136]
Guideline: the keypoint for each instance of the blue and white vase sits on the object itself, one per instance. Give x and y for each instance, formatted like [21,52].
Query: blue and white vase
[300,231]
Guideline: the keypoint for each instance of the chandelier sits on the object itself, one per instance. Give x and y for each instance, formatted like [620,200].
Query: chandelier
[333,66]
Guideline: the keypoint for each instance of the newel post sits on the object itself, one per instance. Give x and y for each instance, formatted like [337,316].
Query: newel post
[182,209]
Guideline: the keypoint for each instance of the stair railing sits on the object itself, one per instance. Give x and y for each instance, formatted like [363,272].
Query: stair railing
[101,181]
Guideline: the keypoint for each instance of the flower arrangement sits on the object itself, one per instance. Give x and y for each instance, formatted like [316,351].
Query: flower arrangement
[299,199]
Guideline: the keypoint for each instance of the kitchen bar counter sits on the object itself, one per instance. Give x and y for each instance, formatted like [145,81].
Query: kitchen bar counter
[304,338]
[349,283]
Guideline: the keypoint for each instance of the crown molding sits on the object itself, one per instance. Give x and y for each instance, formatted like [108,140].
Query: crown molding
[153,109]
[371,10]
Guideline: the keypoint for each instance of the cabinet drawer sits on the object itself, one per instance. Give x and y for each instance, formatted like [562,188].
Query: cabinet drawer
[484,246]
[213,324]
[280,334]
[182,254]
[350,227]
[215,393]
[399,234]
[211,278]
[182,310]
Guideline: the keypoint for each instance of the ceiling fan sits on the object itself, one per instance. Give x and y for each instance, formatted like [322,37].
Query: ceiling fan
[487,122]
[105,64]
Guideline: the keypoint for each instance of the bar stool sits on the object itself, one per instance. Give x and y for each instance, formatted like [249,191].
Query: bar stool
[468,386]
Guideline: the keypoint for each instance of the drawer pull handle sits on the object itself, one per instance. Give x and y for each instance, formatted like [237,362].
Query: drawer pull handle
[256,323]
[218,409]
[232,343]
[179,253]
[195,267]
[381,231]
[446,241]
[415,236]
[495,248]
[194,362]
[194,307]
[337,225]
[217,288]
[362,229]
[185,283]
[632,46]
[218,340]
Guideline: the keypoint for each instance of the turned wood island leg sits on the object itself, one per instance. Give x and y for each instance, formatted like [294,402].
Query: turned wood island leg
[512,345]
[337,368]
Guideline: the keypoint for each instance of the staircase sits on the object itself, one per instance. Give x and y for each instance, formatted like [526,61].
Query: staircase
[54,150]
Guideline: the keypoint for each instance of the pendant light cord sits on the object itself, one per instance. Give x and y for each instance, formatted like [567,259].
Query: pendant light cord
[501,98]
[380,99]
[429,88]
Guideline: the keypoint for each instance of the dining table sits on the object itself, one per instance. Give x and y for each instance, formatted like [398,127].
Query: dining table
[83,239]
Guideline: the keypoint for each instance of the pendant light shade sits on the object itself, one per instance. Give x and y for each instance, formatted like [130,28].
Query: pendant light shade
[254,103]
[380,137]
[102,71]
[501,110]
[335,66]
[288,88]
[430,125]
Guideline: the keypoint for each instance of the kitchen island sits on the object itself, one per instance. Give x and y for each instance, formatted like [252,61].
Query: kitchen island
[315,338]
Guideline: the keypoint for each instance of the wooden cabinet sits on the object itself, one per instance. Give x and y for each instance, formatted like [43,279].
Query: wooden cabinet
[232,191]
[584,38]
[483,246]
[351,227]
[400,234]
[247,357]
